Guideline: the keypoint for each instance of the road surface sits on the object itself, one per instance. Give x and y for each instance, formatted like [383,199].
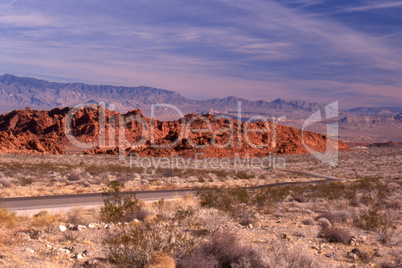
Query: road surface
[58,202]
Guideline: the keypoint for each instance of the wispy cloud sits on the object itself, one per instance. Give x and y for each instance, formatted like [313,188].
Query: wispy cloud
[376,6]
[247,48]
[9,3]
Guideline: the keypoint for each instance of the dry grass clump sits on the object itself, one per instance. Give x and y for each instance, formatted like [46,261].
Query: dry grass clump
[340,211]
[8,219]
[140,214]
[119,207]
[336,234]
[161,260]
[280,253]
[46,220]
[223,250]
[324,223]
[134,246]
[74,176]
[384,222]
[6,182]
[80,216]
[308,221]
[394,260]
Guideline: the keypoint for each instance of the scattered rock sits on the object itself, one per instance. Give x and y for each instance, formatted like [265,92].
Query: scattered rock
[91,263]
[285,237]
[324,223]
[71,249]
[93,225]
[64,250]
[353,241]
[35,234]
[62,228]
[78,256]
[22,236]
[29,250]
[352,256]
[81,227]
[378,252]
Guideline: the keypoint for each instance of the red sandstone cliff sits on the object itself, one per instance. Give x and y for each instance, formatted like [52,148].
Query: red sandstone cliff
[30,131]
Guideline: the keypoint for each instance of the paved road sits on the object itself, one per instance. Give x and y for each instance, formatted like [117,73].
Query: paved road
[96,199]
[54,201]
[314,175]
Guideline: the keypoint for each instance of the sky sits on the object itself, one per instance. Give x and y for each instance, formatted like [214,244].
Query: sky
[311,50]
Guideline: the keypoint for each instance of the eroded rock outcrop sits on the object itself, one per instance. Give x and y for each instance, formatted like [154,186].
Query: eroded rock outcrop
[44,132]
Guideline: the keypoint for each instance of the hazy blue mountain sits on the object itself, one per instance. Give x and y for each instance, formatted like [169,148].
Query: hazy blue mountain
[19,92]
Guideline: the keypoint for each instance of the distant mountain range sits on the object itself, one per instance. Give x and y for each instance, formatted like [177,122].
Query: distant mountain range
[376,123]
[18,92]
[375,110]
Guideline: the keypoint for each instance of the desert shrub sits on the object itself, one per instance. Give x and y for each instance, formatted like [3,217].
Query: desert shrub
[280,253]
[339,211]
[24,181]
[223,250]
[246,221]
[46,220]
[81,216]
[7,218]
[238,201]
[243,175]
[336,235]
[394,260]
[118,206]
[370,219]
[364,255]
[139,214]
[206,221]
[74,176]
[198,259]
[263,197]
[220,173]
[308,221]
[5,182]
[299,198]
[84,183]
[134,246]
[324,223]
[381,221]
[200,179]
[225,200]
[70,235]
[161,260]
[183,213]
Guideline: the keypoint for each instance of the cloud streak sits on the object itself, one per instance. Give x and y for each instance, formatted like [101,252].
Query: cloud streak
[256,49]
[376,6]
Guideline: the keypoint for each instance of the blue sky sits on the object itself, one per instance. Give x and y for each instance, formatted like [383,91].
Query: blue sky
[313,50]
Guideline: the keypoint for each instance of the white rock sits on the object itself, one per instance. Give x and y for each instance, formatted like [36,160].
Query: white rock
[64,250]
[62,228]
[29,250]
[81,227]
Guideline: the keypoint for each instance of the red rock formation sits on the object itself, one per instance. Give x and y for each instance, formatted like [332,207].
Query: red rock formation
[44,132]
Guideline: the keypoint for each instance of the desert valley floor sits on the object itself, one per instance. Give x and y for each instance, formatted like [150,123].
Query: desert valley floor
[355,222]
